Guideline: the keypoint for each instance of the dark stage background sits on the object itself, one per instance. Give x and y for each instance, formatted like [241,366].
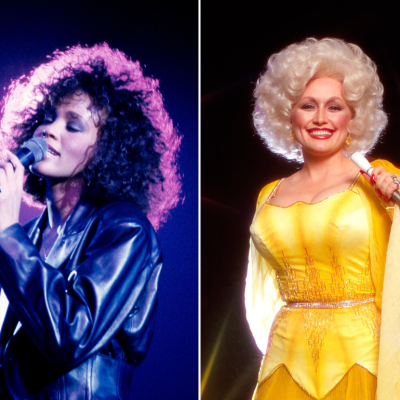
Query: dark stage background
[236,42]
[163,36]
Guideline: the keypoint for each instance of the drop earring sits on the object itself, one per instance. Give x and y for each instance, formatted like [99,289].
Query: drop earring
[349,140]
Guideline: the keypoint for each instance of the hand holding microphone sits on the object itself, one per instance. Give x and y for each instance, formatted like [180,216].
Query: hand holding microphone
[32,151]
[12,176]
[366,167]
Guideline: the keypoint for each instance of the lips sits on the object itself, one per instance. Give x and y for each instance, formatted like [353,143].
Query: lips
[320,133]
[52,151]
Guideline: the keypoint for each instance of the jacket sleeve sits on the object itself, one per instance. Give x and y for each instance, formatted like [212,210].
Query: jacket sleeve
[109,280]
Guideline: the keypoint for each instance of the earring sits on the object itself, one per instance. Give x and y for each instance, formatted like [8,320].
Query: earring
[44,134]
[349,140]
[291,137]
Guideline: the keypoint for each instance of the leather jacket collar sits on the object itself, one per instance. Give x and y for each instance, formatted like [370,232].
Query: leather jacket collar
[74,223]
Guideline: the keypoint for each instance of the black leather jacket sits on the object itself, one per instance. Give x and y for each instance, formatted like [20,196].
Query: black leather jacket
[87,313]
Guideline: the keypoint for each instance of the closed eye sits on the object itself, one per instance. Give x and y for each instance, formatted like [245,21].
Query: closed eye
[73,128]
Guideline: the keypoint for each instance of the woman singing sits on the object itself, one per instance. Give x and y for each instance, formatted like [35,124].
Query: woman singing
[81,280]
[319,237]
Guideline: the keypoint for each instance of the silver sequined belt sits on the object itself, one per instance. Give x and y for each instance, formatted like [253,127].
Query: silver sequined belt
[339,304]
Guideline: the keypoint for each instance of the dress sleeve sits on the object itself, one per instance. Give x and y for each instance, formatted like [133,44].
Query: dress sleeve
[262,296]
[110,280]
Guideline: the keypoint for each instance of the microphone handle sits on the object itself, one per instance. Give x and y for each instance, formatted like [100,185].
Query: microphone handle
[396,196]
[26,156]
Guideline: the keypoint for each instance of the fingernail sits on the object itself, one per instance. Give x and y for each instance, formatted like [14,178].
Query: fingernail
[386,199]
[373,178]
[379,192]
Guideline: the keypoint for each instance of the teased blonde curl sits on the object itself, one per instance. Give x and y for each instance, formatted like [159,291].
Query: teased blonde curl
[286,77]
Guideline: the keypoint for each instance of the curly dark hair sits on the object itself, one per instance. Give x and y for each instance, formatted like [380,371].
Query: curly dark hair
[134,157]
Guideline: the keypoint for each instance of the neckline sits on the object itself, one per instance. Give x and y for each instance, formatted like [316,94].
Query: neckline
[275,189]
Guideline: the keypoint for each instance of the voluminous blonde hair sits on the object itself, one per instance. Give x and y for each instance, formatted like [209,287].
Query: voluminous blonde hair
[286,77]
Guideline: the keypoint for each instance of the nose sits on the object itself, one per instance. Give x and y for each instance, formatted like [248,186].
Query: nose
[320,117]
[49,131]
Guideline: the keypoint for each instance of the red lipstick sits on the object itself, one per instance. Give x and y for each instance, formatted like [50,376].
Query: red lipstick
[320,133]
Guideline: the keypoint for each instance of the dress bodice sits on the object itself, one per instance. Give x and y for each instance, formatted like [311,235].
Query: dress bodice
[320,251]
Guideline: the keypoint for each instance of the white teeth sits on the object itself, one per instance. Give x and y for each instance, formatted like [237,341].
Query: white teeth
[321,133]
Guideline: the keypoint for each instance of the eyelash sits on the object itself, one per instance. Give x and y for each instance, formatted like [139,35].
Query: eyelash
[72,129]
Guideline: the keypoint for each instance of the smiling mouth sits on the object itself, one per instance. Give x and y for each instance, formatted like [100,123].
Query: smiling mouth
[320,134]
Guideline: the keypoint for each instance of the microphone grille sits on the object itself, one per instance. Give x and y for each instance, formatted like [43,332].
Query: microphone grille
[38,147]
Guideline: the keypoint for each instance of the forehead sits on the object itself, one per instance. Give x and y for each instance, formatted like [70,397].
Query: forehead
[323,87]
[77,102]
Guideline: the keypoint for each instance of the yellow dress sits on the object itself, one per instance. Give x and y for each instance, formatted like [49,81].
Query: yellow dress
[313,294]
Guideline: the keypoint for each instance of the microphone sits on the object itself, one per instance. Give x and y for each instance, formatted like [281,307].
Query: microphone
[365,166]
[32,151]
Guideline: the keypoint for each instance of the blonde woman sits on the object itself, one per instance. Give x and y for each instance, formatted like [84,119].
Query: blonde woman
[319,237]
